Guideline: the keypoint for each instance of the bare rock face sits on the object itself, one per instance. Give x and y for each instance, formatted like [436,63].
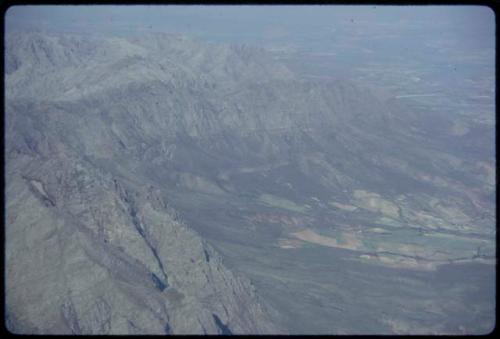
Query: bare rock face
[89,253]
[93,249]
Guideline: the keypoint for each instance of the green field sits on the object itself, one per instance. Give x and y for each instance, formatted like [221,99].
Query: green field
[275,201]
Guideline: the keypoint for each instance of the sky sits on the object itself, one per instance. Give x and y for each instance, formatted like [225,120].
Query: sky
[473,25]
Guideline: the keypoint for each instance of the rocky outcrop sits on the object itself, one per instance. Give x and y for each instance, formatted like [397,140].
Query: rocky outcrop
[90,253]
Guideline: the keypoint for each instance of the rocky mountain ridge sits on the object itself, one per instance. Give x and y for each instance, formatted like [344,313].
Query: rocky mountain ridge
[88,251]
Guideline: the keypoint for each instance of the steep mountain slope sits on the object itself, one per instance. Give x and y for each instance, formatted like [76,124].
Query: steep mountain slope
[91,253]
[109,140]
[94,258]
[91,250]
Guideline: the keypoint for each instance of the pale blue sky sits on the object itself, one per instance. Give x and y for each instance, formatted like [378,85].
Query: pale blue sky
[255,22]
